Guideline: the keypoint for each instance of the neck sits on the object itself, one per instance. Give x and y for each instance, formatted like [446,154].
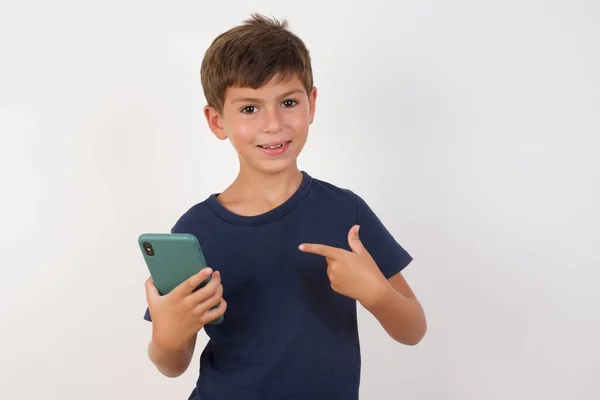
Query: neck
[254,192]
[270,185]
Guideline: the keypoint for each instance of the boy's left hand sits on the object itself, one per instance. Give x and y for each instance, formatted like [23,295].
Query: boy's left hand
[352,273]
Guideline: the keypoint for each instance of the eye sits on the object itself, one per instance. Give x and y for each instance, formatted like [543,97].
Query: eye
[289,103]
[249,110]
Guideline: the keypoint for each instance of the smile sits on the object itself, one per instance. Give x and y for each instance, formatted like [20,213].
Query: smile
[273,146]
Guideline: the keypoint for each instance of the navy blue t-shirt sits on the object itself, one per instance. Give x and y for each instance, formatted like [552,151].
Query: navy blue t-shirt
[286,333]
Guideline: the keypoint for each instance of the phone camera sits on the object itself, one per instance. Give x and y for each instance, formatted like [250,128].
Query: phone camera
[148,249]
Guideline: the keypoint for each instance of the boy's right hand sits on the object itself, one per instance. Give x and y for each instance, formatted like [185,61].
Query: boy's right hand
[180,314]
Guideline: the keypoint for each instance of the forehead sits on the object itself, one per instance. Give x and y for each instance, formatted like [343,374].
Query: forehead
[274,89]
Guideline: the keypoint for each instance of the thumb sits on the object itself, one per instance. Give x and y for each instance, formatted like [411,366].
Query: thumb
[354,240]
[151,291]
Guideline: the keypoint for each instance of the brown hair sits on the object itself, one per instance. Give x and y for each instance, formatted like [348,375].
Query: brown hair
[250,55]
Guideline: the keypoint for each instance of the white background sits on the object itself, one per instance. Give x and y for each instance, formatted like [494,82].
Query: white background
[471,127]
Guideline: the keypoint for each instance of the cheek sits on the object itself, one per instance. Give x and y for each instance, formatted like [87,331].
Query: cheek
[298,122]
[242,131]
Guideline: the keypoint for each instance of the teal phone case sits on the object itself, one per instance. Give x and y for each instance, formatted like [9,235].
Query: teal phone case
[172,258]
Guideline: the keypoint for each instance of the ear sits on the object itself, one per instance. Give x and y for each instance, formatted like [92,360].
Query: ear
[215,122]
[312,99]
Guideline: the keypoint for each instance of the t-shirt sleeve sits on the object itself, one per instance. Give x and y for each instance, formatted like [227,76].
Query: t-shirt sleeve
[147,316]
[388,254]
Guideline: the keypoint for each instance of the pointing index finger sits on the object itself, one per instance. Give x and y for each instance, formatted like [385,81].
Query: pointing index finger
[320,249]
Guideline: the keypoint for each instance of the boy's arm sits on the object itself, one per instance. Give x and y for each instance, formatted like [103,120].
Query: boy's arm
[178,316]
[172,363]
[373,277]
[355,274]
[399,312]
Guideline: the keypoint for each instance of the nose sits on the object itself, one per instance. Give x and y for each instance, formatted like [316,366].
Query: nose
[272,123]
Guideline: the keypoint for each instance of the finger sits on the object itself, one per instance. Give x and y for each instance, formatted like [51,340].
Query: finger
[329,271]
[320,249]
[354,240]
[188,286]
[211,302]
[207,291]
[151,290]
[214,313]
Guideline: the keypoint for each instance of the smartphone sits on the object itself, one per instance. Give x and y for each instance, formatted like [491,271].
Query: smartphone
[172,258]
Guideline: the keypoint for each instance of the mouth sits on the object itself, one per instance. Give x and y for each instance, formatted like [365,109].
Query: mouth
[274,146]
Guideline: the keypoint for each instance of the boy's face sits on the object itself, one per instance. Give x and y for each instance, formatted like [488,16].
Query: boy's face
[268,126]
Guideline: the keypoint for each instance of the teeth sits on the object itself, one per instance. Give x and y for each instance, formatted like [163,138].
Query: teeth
[272,147]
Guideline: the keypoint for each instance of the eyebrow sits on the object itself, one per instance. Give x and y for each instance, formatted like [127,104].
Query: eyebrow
[256,100]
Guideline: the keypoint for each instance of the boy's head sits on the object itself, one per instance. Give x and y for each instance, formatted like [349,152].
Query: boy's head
[257,79]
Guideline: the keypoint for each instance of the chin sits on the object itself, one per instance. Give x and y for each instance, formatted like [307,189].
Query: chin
[277,167]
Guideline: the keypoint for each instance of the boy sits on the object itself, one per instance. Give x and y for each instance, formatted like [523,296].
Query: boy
[289,262]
